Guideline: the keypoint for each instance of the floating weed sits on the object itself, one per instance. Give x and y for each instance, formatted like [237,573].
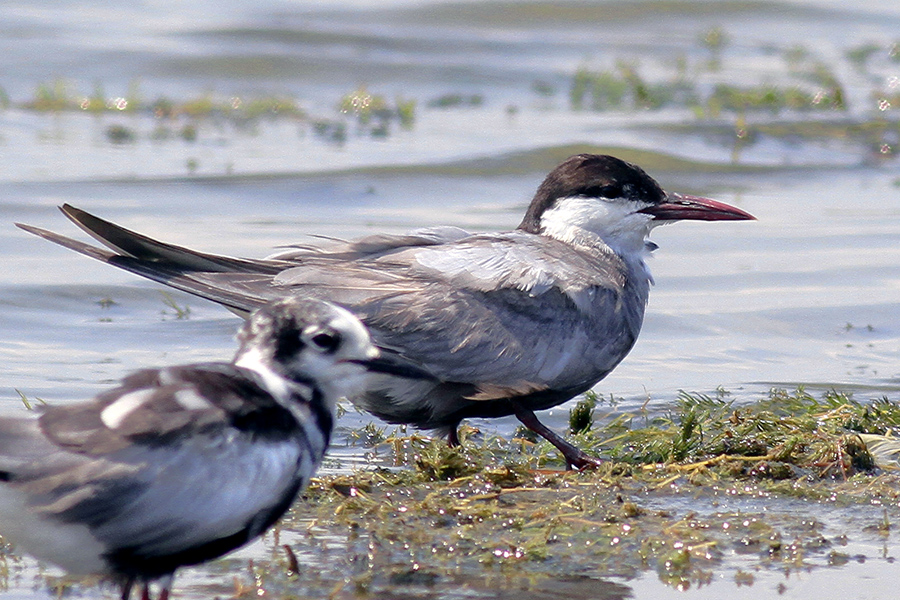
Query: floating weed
[581,417]
[458,100]
[120,134]
[715,40]
[817,87]
[29,405]
[330,131]
[106,303]
[478,517]
[370,435]
[773,99]
[180,312]
[481,515]
[374,114]
[860,55]
[606,90]
[52,97]
[877,136]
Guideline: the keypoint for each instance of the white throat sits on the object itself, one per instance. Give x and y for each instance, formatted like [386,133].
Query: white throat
[616,223]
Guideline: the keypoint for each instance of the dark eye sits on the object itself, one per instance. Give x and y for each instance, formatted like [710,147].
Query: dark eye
[327,341]
[603,191]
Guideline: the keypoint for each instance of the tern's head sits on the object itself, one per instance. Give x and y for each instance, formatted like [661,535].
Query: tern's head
[307,341]
[615,200]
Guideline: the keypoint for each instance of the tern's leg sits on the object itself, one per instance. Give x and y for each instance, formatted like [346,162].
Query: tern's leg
[165,586]
[574,457]
[126,588]
[453,438]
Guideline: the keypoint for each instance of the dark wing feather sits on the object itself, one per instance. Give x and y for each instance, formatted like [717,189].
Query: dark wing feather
[130,243]
[241,294]
[160,406]
[190,461]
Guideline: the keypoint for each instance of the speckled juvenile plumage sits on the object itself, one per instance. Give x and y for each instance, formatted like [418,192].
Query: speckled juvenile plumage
[507,323]
[182,464]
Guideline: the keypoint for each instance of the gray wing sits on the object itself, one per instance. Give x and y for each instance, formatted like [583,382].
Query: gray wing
[152,465]
[506,309]
[370,247]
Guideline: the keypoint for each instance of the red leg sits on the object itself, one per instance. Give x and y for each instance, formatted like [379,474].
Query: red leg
[574,456]
[165,586]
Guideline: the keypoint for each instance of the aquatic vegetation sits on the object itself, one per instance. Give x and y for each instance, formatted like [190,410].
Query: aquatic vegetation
[817,87]
[332,131]
[789,102]
[714,40]
[596,91]
[180,312]
[28,403]
[861,54]
[773,99]
[462,100]
[182,114]
[120,134]
[51,97]
[877,137]
[374,114]
[452,517]
[606,90]
[429,517]
[581,417]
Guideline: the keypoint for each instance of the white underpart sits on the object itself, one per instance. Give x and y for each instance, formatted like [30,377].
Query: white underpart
[68,545]
[114,414]
[617,223]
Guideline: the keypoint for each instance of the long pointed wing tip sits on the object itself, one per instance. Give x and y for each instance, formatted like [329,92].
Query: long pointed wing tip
[31,229]
[72,213]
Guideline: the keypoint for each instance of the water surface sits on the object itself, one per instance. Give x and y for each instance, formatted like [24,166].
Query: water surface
[807,295]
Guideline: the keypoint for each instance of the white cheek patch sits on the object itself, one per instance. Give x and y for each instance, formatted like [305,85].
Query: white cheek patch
[618,224]
[191,400]
[357,343]
[114,414]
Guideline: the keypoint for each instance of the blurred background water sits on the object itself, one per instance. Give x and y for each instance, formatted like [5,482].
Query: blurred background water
[234,127]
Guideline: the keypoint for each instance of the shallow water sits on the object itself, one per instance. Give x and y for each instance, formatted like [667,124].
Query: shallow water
[807,295]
